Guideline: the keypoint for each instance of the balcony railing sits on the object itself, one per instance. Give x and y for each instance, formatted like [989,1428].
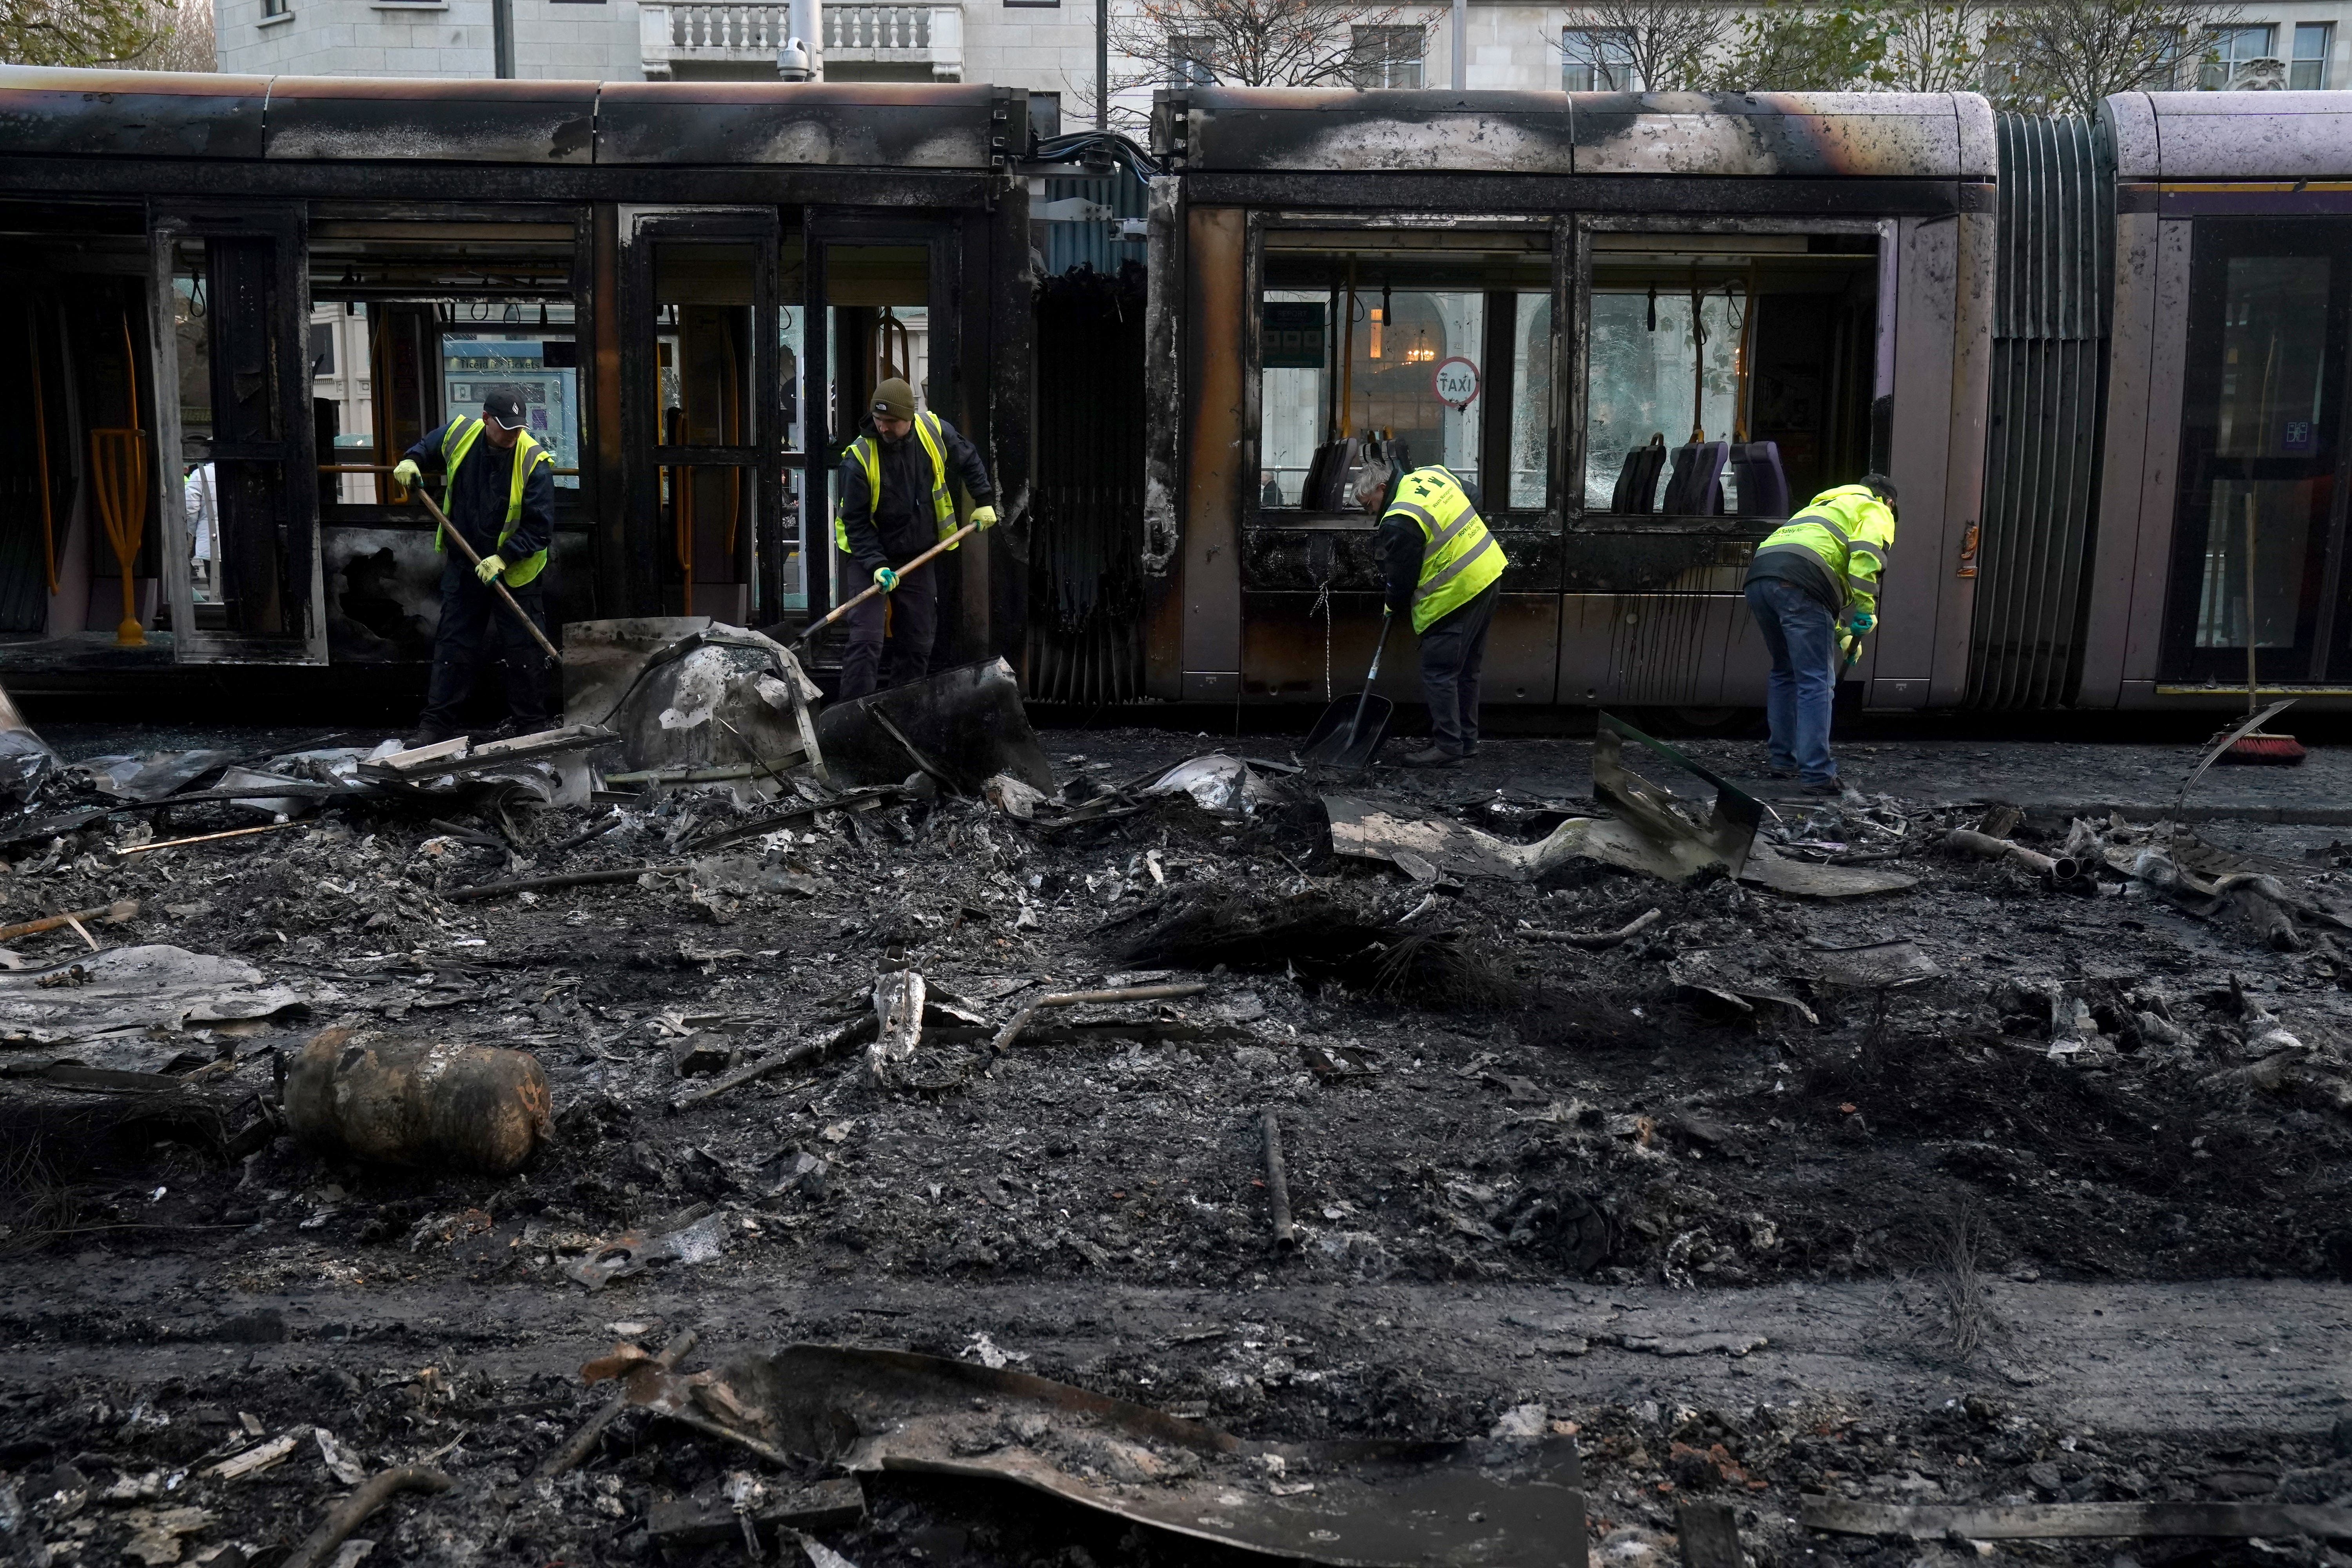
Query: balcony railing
[747,31]
[880,30]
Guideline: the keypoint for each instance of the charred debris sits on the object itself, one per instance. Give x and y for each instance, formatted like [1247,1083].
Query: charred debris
[716,987]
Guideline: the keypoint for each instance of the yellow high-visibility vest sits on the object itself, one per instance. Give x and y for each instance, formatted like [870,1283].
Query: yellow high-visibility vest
[943,513]
[455,442]
[1460,558]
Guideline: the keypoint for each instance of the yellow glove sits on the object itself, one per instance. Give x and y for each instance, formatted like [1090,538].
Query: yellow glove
[491,567]
[885,578]
[982,517]
[405,473]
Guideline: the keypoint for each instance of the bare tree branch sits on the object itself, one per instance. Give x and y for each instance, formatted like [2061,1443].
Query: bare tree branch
[1244,43]
[2064,57]
[1939,45]
[1666,43]
[186,42]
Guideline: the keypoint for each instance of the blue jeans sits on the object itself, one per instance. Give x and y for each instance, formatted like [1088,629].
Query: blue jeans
[1798,631]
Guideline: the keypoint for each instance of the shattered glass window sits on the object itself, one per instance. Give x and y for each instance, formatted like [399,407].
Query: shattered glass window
[1648,376]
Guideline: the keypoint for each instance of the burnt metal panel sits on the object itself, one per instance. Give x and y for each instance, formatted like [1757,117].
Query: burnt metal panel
[130,114]
[2053,307]
[1219,314]
[1331,129]
[410,119]
[889,125]
[1293,652]
[1327,130]
[496,184]
[1660,650]
[1775,134]
[2130,121]
[1643,194]
[2252,135]
[1085,530]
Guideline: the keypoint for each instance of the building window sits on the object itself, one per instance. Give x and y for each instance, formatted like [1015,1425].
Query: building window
[322,349]
[2230,53]
[273,9]
[1386,57]
[2313,42]
[1596,59]
[1192,61]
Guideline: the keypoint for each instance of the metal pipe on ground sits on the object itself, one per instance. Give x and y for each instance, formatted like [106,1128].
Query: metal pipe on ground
[2057,867]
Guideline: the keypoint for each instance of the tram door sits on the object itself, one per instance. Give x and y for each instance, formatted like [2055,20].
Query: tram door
[700,408]
[233,432]
[2259,536]
[886,290]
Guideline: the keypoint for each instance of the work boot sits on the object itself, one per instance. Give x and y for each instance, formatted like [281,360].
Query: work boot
[1431,756]
[427,735]
[1823,786]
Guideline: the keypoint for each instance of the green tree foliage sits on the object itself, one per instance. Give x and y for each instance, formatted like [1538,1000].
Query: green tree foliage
[78,32]
[1787,46]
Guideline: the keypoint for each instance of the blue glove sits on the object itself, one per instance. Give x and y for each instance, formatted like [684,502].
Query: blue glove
[886,577]
[1860,623]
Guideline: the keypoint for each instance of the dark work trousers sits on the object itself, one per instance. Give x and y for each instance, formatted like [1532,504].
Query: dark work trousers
[914,622]
[1801,693]
[1450,653]
[477,629]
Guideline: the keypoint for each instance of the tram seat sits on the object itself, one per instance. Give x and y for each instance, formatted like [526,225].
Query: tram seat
[1696,487]
[1637,481]
[1763,483]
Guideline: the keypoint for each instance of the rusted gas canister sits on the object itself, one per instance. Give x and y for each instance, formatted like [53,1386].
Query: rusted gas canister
[431,1104]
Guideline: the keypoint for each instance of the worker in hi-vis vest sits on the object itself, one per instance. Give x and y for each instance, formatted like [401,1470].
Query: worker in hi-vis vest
[1813,588]
[500,485]
[1443,566]
[895,502]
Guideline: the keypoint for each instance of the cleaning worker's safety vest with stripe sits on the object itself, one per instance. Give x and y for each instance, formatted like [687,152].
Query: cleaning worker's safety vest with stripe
[935,446]
[1459,558]
[458,440]
[1852,530]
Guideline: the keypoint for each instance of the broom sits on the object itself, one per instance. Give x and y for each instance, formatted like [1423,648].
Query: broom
[2257,745]
[117,464]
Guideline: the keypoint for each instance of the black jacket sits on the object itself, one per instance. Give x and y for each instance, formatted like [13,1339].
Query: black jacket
[902,527]
[479,503]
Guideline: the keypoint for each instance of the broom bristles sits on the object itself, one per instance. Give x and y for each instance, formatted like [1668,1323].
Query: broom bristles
[2278,750]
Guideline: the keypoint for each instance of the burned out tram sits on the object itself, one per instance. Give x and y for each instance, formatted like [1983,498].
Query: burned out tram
[231,303]
[2105,361]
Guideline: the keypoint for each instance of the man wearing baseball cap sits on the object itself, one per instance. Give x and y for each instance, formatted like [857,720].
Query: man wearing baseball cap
[500,490]
[896,501]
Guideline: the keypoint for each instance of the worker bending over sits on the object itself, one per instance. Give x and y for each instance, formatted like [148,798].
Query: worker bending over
[896,503]
[1442,568]
[500,490]
[1814,575]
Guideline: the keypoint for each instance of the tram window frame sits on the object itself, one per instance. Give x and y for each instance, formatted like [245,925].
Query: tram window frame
[1859,247]
[336,256]
[1444,252]
[2288,461]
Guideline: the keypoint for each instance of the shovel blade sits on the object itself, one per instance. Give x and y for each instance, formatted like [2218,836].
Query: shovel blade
[1338,742]
[967,721]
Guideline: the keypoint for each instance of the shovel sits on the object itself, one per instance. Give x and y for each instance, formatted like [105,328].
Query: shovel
[944,545]
[1342,739]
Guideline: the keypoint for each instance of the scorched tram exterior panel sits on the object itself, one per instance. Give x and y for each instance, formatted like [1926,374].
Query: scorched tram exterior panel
[2105,362]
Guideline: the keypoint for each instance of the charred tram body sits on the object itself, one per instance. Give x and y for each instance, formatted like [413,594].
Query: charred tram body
[2105,362]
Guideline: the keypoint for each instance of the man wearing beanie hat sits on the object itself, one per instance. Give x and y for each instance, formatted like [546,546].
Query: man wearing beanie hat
[897,498]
